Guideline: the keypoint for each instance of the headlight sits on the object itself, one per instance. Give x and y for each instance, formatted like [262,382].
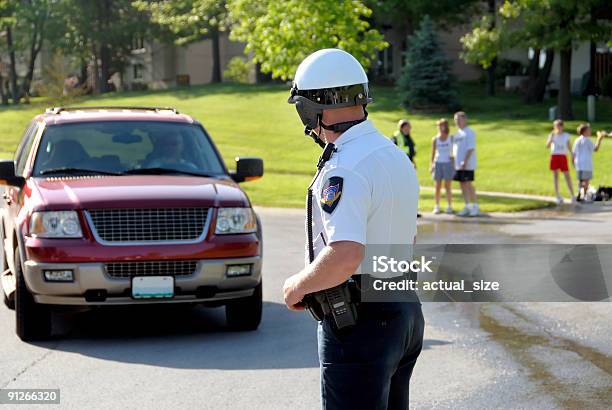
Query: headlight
[55,224]
[235,220]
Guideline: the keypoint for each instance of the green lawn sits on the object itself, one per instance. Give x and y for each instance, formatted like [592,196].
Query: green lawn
[255,120]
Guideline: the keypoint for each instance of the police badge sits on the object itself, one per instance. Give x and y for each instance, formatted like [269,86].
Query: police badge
[330,194]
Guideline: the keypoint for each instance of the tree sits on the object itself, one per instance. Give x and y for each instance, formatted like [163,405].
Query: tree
[554,25]
[538,76]
[426,81]
[7,22]
[101,32]
[31,19]
[491,10]
[24,24]
[189,21]
[408,13]
[488,39]
[279,35]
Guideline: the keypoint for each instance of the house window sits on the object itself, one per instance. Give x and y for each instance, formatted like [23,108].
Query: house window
[138,71]
[385,63]
[138,43]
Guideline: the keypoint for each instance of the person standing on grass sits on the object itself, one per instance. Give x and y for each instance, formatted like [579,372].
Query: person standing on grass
[582,153]
[464,151]
[559,143]
[441,165]
[401,137]
[403,140]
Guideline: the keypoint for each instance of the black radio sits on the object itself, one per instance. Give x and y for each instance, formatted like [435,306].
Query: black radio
[337,300]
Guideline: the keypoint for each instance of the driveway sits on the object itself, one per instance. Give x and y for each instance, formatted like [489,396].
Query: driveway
[475,355]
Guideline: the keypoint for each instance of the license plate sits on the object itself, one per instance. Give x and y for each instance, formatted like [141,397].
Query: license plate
[152,287]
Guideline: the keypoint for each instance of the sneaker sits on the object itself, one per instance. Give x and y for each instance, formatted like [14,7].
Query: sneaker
[449,210]
[475,210]
[559,200]
[464,212]
[436,210]
[574,200]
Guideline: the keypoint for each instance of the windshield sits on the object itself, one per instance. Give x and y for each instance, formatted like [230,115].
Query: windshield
[126,146]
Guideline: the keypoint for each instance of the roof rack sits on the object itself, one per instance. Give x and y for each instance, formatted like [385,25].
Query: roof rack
[57,110]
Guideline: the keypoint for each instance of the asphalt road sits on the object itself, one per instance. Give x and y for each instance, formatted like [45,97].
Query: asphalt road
[475,355]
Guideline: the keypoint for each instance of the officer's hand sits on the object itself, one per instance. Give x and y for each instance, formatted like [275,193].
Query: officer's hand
[293,297]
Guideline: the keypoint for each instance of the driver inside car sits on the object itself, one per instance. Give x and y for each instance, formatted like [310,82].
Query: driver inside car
[168,151]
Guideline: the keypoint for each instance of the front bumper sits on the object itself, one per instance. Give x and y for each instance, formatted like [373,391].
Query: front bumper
[207,284]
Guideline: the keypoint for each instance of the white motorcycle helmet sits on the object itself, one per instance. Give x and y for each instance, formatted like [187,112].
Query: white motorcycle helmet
[327,79]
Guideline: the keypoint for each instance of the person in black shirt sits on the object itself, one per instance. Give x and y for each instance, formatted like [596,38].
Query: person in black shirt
[403,140]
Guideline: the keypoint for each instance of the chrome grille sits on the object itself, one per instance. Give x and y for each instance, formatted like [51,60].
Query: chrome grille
[150,268]
[149,224]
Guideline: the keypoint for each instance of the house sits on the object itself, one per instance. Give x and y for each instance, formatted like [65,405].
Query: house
[158,66]
[581,64]
[390,60]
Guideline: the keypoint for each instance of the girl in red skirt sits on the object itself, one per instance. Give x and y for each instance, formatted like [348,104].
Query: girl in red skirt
[559,144]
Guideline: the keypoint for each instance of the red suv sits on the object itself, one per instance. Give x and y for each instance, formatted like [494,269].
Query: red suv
[123,206]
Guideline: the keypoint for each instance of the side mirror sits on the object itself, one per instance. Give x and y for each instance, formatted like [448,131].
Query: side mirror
[248,169]
[7,174]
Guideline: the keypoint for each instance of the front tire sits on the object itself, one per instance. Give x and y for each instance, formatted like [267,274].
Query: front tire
[8,302]
[245,314]
[33,320]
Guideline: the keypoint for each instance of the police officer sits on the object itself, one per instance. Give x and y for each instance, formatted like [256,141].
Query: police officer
[365,193]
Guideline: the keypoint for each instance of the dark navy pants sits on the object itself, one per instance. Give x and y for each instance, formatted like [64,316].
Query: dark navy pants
[369,365]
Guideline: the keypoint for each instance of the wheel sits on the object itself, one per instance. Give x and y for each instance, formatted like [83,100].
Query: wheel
[33,320]
[8,302]
[245,313]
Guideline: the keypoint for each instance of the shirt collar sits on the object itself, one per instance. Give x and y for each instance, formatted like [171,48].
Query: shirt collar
[355,131]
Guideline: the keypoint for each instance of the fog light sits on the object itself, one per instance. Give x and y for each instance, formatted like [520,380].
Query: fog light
[238,270]
[59,275]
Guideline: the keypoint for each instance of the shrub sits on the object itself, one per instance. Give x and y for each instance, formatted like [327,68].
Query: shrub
[59,83]
[426,81]
[238,70]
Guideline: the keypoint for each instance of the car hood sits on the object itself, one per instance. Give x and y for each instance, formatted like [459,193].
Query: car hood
[134,191]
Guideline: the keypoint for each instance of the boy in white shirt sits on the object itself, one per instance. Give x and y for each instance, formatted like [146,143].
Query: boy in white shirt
[464,152]
[582,153]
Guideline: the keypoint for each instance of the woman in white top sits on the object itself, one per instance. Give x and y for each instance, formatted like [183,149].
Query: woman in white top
[559,144]
[442,164]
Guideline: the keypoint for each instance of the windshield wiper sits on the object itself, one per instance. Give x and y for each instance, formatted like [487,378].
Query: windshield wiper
[74,171]
[162,171]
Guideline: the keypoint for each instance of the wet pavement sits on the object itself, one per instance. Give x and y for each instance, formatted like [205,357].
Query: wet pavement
[475,356]
[518,355]
[571,224]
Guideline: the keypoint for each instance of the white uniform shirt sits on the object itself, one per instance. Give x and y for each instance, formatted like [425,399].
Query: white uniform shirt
[366,193]
[444,149]
[583,150]
[559,143]
[464,140]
